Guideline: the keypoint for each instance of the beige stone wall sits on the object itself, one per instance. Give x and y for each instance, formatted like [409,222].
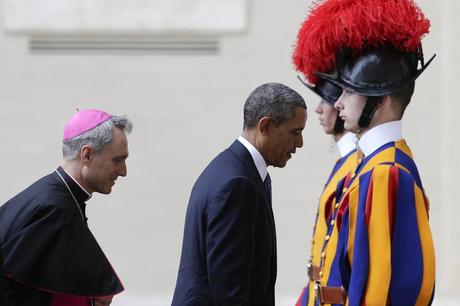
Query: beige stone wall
[133,16]
[188,108]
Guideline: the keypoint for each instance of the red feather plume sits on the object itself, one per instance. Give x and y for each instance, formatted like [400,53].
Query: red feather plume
[355,24]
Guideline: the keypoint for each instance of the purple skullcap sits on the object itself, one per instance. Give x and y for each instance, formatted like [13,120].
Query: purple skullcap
[83,121]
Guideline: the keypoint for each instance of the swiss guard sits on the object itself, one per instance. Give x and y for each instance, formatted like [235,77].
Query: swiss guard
[379,249]
[307,63]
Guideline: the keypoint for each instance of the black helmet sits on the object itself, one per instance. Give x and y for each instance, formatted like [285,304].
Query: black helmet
[376,72]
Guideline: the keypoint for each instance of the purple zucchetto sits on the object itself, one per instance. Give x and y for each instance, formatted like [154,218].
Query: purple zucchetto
[83,121]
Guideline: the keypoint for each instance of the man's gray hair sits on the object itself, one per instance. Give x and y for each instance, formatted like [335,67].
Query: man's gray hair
[273,100]
[96,138]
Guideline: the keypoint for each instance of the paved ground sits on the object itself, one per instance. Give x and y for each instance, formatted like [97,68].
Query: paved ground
[132,300]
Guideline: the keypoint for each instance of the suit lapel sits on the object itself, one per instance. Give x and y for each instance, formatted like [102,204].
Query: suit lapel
[240,150]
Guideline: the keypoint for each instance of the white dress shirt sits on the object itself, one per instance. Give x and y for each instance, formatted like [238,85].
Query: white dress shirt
[380,135]
[347,143]
[259,161]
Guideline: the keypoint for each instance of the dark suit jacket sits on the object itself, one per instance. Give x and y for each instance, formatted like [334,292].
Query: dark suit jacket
[2,280]
[229,247]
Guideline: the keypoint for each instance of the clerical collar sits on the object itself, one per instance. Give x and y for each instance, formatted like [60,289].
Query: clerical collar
[81,195]
[259,161]
[380,135]
[346,144]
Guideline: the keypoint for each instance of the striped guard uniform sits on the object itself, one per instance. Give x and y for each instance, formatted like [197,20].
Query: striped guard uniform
[380,249]
[343,165]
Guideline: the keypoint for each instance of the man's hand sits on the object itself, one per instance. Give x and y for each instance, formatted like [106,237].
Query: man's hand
[102,301]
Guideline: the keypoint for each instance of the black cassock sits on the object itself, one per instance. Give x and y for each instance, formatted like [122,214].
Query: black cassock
[50,256]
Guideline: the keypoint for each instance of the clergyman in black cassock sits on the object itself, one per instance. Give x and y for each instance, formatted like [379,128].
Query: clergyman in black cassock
[50,256]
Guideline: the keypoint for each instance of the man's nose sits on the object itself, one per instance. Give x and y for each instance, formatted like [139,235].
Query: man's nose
[338,105]
[123,171]
[299,142]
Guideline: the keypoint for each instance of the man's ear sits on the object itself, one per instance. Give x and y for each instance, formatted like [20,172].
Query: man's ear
[86,153]
[386,100]
[264,125]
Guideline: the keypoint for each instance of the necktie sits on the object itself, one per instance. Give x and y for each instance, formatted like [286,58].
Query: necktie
[268,187]
[83,210]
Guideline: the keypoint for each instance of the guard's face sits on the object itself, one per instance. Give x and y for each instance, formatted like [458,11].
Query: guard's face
[350,106]
[283,140]
[103,169]
[327,116]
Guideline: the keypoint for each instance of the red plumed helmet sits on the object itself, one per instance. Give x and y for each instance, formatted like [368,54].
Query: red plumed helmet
[333,25]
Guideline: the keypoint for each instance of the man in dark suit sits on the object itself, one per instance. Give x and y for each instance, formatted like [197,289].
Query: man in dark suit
[229,247]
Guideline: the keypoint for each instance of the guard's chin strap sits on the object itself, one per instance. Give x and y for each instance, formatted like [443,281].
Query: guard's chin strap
[368,111]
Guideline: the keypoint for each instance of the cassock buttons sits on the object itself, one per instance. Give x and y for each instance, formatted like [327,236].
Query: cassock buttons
[344,189]
[323,254]
[327,237]
[332,222]
[336,205]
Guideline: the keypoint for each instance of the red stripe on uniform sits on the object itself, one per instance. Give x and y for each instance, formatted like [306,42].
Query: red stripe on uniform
[341,211]
[347,180]
[328,208]
[392,193]
[369,201]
